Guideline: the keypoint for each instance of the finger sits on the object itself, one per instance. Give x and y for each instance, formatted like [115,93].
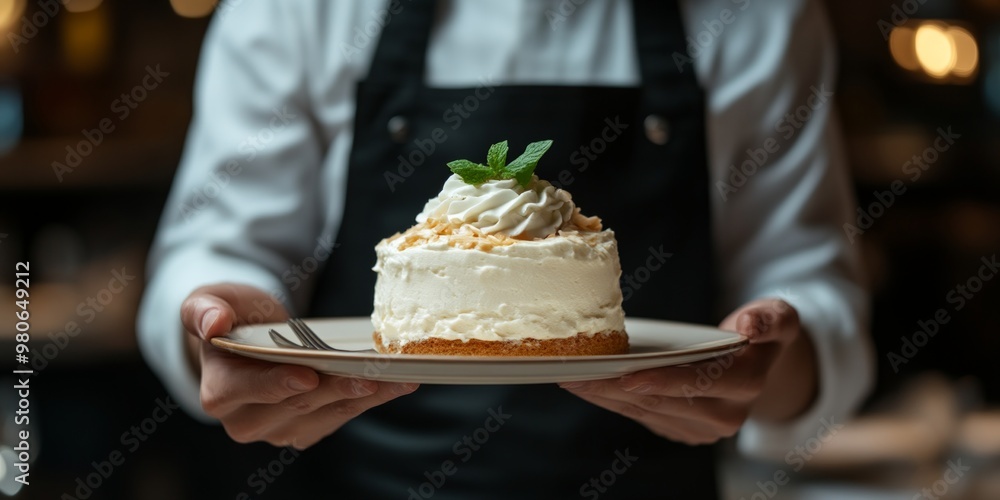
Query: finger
[213,310]
[207,315]
[721,411]
[229,381]
[733,377]
[740,380]
[306,430]
[256,419]
[686,430]
[766,320]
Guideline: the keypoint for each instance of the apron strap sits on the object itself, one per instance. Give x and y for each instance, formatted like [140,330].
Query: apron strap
[659,37]
[401,53]
[402,47]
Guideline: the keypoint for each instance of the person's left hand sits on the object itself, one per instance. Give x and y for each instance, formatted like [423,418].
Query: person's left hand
[706,401]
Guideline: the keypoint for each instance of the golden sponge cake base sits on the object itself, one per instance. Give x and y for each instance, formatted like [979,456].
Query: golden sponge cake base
[583,344]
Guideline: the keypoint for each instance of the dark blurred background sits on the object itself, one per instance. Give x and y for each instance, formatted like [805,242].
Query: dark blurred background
[81,204]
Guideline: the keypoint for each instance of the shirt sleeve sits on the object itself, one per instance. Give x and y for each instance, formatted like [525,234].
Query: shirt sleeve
[781,192]
[244,203]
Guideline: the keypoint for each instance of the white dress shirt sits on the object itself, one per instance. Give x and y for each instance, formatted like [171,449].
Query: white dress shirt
[261,182]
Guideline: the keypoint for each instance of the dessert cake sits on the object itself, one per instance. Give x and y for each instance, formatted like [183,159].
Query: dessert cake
[500,263]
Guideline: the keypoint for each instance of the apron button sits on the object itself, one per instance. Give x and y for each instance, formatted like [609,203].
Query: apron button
[399,129]
[657,129]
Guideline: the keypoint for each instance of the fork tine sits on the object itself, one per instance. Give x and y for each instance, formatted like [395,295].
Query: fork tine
[312,334]
[311,340]
[306,341]
[281,341]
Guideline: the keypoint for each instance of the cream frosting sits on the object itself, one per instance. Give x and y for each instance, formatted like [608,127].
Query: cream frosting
[502,207]
[555,287]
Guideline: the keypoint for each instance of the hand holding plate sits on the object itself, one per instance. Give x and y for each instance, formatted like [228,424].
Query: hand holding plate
[774,378]
[285,405]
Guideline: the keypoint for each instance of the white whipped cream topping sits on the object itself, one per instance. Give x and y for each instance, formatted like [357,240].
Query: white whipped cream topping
[539,289]
[502,207]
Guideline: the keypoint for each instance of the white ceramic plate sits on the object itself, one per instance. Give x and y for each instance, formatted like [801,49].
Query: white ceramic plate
[654,343]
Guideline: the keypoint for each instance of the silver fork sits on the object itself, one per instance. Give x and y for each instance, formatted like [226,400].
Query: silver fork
[281,341]
[309,338]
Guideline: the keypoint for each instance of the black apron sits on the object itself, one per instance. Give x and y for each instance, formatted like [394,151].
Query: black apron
[643,172]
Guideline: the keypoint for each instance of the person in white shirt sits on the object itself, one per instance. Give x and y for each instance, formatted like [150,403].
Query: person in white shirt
[314,124]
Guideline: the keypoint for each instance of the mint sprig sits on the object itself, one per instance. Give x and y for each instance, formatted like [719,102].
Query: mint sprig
[523,166]
[521,169]
[472,173]
[496,157]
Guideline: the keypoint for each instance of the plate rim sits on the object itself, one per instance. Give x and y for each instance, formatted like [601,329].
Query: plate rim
[225,342]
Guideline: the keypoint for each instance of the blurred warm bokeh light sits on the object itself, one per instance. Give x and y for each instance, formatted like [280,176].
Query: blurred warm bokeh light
[943,51]
[86,39]
[193,8]
[966,51]
[10,11]
[935,50]
[81,5]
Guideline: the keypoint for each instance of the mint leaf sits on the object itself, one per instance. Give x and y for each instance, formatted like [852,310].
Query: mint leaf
[524,166]
[471,172]
[496,158]
[520,169]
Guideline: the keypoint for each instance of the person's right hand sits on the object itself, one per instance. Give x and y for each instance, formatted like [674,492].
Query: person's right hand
[285,405]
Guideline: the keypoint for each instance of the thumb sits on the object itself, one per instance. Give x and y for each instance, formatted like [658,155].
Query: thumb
[763,320]
[213,310]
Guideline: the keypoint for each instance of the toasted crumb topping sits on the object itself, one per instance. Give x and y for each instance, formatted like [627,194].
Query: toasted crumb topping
[469,237]
[463,236]
[584,223]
